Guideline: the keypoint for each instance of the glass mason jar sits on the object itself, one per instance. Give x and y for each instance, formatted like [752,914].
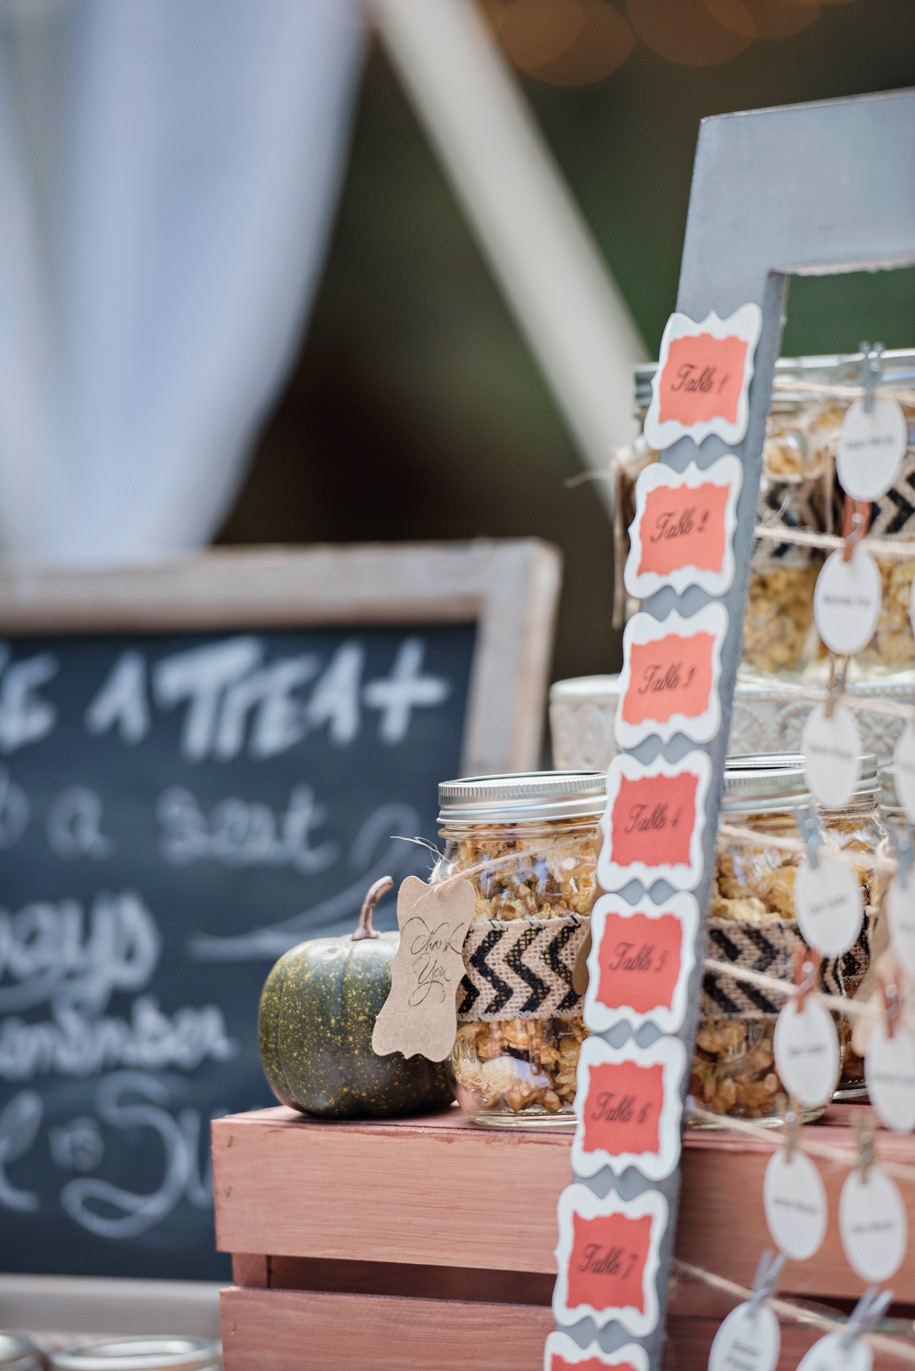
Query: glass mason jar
[529,845]
[751,921]
[810,396]
[796,489]
[19,1354]
[177,1353]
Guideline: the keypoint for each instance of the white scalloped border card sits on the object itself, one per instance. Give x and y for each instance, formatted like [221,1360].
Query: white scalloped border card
[629,1099]
[683,531]
[671,666]
[615,1254]
[658,807]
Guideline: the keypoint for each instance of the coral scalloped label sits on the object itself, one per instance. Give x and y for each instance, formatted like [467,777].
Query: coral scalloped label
[653,821]
[683,530]
[607,1258]
[702,381]
[640,962]
[670,677]
[628,1105]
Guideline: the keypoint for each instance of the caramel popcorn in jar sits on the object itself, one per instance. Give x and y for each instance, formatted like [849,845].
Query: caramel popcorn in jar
[529,846]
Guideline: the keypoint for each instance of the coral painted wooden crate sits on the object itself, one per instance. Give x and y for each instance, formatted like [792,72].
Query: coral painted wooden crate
[427,1244]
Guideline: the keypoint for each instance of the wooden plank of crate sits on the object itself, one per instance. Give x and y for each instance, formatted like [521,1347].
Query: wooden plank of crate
[438,1191]
[286,1330]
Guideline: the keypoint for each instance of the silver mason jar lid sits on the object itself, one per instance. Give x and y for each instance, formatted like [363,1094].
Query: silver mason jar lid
[18,1354]
[141,1354]
[840,369]
[523,797]
[764,783]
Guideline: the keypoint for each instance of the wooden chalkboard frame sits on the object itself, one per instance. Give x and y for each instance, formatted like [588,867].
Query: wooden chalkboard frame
[508,588]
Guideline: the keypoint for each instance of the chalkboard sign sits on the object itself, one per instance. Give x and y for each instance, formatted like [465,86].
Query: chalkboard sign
[201,765]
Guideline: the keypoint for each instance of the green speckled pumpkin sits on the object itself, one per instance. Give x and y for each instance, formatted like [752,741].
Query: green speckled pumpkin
[318,1010]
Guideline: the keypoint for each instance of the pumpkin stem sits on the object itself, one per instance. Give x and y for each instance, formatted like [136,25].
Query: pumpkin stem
[364,927]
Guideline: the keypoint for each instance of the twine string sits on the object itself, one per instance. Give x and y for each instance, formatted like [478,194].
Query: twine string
[790,1312]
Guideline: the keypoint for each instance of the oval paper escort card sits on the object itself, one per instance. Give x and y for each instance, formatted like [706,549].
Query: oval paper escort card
[900,921]
[640,962]
[870,448]
[831,1354]
[889,1070]
[628,1106]
[562,1354]
[703,376]
[846,601]
[872,1224]
[749,1339]
[607,1258]
[794,1198]
[669,681]
[683,530]
[653,821]
[806,1048]
[832,749]
[828,905]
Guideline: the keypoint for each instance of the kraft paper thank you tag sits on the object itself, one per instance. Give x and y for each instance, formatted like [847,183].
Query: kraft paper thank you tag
[420,1014]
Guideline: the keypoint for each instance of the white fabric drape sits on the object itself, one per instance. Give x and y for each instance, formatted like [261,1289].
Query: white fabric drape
[168,170]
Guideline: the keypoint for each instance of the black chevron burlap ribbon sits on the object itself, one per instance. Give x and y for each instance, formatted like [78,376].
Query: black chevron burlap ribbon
[521,969]
[770,948]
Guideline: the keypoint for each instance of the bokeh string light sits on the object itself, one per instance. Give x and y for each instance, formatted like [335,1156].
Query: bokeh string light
[579,42]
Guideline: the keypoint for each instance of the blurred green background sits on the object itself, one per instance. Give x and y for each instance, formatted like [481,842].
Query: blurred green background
[415,410]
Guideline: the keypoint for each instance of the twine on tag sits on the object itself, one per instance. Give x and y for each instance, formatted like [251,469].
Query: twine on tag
[790,1312]
[887,549]
[738,836]
[843,1157]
